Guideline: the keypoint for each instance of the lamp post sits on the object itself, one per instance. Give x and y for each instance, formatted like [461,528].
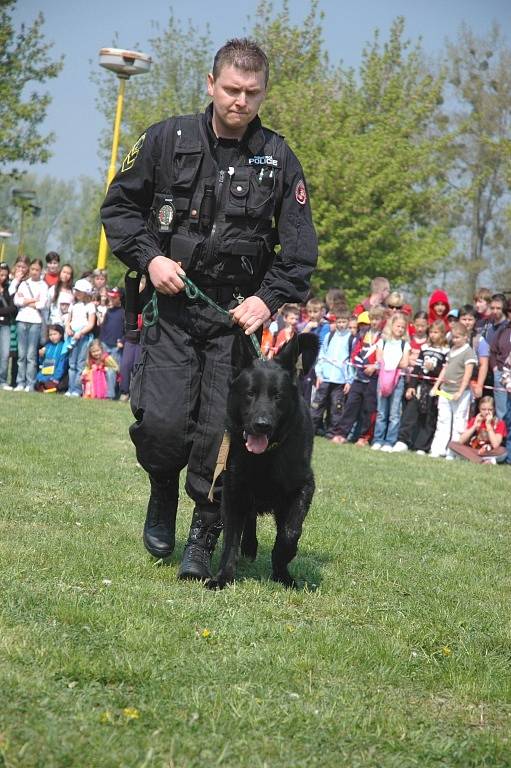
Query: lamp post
[24,200]
[125,64]
[4,235]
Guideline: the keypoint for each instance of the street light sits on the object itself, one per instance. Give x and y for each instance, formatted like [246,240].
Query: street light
[24,200]
[125,64]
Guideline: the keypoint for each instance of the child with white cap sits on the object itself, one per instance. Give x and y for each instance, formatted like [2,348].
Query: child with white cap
[79,326]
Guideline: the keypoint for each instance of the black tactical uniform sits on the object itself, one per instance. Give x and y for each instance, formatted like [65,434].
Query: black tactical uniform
[219,207]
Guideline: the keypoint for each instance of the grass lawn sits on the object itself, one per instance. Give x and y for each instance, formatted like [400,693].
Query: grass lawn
[396,651]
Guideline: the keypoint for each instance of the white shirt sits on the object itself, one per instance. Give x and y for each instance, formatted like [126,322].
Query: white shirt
[31,289]
[393,351]
[80,314]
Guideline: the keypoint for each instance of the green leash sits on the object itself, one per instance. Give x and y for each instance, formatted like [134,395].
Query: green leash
[150,311]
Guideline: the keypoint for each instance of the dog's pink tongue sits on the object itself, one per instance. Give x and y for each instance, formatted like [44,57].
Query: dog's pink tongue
[257,443]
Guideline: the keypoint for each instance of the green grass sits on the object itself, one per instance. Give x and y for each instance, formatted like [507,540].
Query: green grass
[396,652]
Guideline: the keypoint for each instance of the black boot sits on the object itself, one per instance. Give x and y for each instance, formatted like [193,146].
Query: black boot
[160,524]
[204,532]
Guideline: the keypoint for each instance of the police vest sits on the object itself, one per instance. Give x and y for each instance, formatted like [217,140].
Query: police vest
[217,223]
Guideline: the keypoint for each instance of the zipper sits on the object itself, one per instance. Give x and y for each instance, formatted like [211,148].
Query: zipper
[218,201]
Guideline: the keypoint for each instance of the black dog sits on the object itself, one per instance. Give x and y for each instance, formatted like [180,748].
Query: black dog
[269,463]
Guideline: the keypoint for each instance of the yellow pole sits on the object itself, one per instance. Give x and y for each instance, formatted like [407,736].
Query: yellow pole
[103,246]
[2,251]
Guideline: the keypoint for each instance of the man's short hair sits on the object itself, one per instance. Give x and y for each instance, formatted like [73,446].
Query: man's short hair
[52,256]
[499,297]
[482,293]
[244,54]
[379,284]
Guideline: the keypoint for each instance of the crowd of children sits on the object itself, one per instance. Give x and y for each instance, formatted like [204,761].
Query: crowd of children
[437,383]
[58,335]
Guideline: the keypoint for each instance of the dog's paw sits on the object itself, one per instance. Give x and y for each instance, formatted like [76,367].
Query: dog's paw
[212,584]
[285,578]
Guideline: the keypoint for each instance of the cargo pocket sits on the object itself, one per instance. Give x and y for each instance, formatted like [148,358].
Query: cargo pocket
[238,193]
[261,194]
[136,387]
[185,167]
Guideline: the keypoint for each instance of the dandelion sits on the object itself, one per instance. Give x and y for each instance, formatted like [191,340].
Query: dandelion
[106,717]
[446,651]
[290,628]
[131,713]
[205,633]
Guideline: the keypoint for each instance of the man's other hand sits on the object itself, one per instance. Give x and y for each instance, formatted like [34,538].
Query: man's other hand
[250,314]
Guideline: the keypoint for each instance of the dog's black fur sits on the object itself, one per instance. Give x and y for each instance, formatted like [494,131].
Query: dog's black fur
[269,463]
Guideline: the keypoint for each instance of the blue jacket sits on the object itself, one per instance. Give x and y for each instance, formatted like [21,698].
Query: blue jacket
[334,355]
[54,364]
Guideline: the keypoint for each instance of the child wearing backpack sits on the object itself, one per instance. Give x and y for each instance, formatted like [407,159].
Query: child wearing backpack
[392,353]
[333,377]
[360,406]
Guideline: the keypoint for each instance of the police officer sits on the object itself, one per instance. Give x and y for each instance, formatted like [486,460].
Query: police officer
[209,196]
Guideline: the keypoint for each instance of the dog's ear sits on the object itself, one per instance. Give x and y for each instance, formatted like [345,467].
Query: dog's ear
[242,352]
[306,345]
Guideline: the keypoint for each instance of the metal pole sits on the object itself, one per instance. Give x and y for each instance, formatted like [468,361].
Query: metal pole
[103,246]
[22,231]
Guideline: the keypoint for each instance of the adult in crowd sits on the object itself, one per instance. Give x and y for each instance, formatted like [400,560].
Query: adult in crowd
[51,275]
[500,348]
[31,299]
[208,195]
[7,314]
[379,292]
[498,318]
[19,273]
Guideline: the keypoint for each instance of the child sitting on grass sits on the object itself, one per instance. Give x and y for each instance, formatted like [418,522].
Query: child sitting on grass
[481,442]
[94,375]
[52,375]
[452,388]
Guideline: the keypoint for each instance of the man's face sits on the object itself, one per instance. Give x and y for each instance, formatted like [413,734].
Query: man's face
[481,306]
[496,311]
[341,323]
[237,96]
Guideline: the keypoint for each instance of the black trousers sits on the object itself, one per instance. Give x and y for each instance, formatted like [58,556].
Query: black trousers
[360,406]
[328,399]
[179,393]
[418,429]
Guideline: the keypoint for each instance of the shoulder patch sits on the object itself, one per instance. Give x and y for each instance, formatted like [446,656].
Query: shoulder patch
[301,193]
[129,160]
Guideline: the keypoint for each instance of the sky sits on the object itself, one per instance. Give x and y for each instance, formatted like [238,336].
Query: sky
[79,28]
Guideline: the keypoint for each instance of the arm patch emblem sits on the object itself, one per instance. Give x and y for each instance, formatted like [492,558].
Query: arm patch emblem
[129,160]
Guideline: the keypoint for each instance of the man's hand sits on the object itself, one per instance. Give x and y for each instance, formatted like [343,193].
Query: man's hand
[250,314]
[165,275]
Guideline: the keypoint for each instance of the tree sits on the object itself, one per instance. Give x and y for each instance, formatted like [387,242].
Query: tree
[24,62]
[480,81]
[372,148]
